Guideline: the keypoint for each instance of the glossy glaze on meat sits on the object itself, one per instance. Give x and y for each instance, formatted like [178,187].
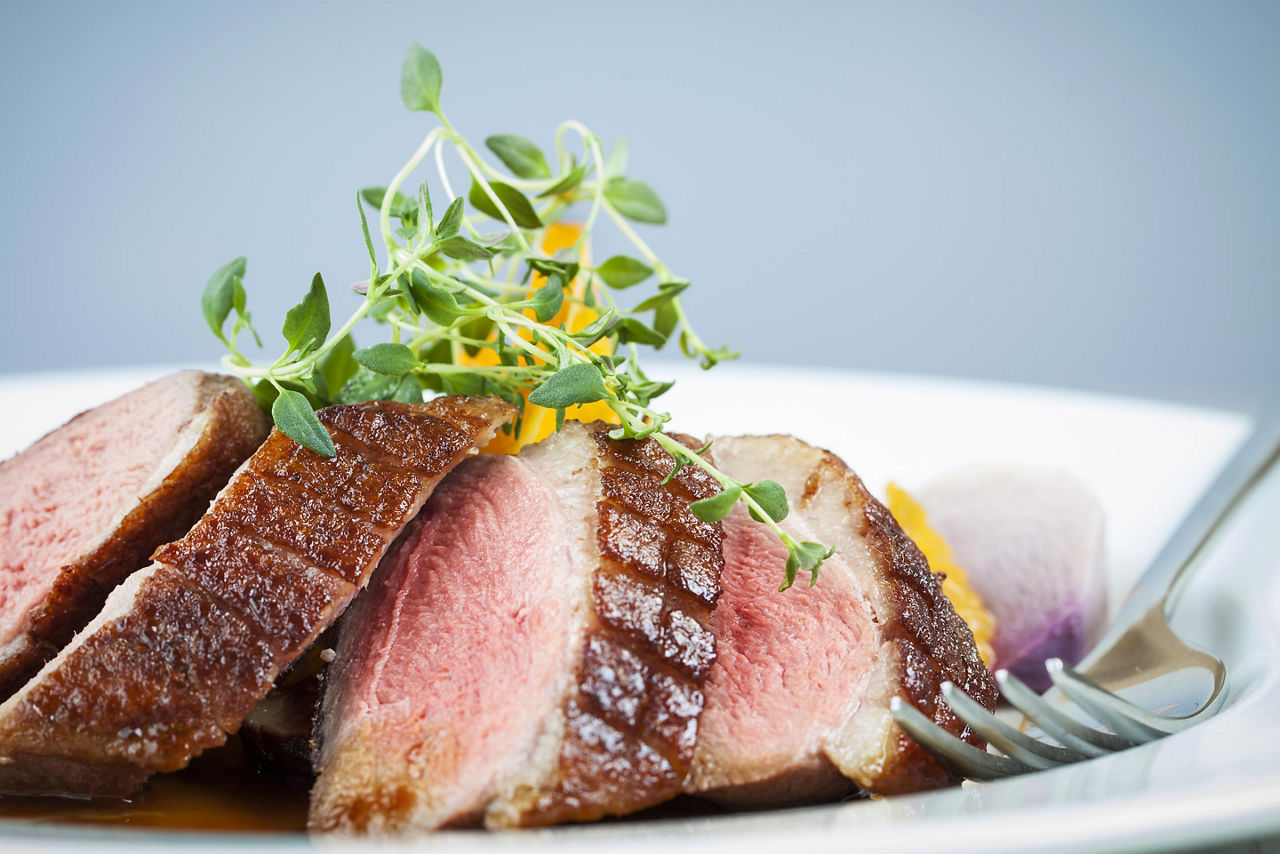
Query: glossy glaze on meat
[86,505]
[533,649]
[185,647]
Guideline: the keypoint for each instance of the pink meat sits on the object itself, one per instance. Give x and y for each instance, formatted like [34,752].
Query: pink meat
[86,504]
[184,648]
[798,697]
[460,640]
[790,668]
[533,649]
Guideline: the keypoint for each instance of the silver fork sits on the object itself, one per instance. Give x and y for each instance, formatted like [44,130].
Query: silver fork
[1139,648]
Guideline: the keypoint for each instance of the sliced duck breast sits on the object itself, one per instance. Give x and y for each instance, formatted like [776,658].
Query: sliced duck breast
[531,651]
[184,648]
[86,505]
[798,697]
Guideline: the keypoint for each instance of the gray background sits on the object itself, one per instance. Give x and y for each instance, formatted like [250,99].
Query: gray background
[1077,194]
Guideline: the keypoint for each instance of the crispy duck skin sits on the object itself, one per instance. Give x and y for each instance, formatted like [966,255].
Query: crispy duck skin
[632,720]
[185,647]
[123,498]
[532,651]
[798,698]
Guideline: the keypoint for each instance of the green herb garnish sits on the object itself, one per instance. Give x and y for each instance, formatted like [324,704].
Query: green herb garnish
[453,286]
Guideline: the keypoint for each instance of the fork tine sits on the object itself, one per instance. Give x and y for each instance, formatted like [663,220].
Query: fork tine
[1015,744]
[1122,716]
[968,760]
[1056,723]
[1109,709]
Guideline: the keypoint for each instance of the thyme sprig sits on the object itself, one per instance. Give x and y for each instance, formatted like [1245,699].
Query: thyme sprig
[475,311]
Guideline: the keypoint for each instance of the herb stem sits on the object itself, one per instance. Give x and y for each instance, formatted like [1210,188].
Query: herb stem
[447,295]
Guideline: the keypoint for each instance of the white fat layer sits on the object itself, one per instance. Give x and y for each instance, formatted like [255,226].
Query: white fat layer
[821,496]
[567,463]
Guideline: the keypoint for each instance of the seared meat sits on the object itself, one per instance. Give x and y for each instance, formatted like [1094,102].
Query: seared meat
[798,697]
[185,647]
[531,651]
[86,505]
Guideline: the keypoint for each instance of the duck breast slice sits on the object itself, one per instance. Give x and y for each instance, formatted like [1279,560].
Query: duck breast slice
[531,651]
[798,697]
[185,647]
[86,505]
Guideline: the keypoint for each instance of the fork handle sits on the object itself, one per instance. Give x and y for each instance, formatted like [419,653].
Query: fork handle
[1167,576]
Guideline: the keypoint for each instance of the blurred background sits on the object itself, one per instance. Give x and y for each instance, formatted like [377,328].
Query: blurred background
[1075,194]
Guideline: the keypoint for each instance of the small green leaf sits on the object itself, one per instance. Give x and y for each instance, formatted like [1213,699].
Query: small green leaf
[364,227]
[425,225]
[394,360]
[440,306]
[596,329]
[520,208]
[508,245]
[632,331]
[566,270]
[771,497]
[297,420]
[623,271]
[335,368]
[400,206]
[571,180]
[239,299]
[406,390]
[470,385]
[451,221]
[807,556]
[522,157]
[366,385]
[635,200]
[616,163]
[219,294]
[462,249]
[666,290]
[716,507]
[306,325]
[420,79]
[578,383]
[547,299]
[665,318]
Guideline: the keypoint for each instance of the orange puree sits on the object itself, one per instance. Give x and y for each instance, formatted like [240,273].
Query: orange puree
[536,422]
[967,602]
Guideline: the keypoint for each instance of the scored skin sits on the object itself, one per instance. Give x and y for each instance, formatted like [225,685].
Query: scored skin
[924,641]
[631,720]
[227,426]
[185,648]
[617,732]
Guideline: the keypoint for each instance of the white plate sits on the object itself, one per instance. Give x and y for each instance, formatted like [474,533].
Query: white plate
[1217,782]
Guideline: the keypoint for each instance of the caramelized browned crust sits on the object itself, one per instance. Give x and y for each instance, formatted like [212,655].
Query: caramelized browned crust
[927,642]
[187,646]
[632,719]
[232,427]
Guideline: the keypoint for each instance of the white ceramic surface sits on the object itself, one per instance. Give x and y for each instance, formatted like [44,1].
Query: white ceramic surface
[1218,782]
